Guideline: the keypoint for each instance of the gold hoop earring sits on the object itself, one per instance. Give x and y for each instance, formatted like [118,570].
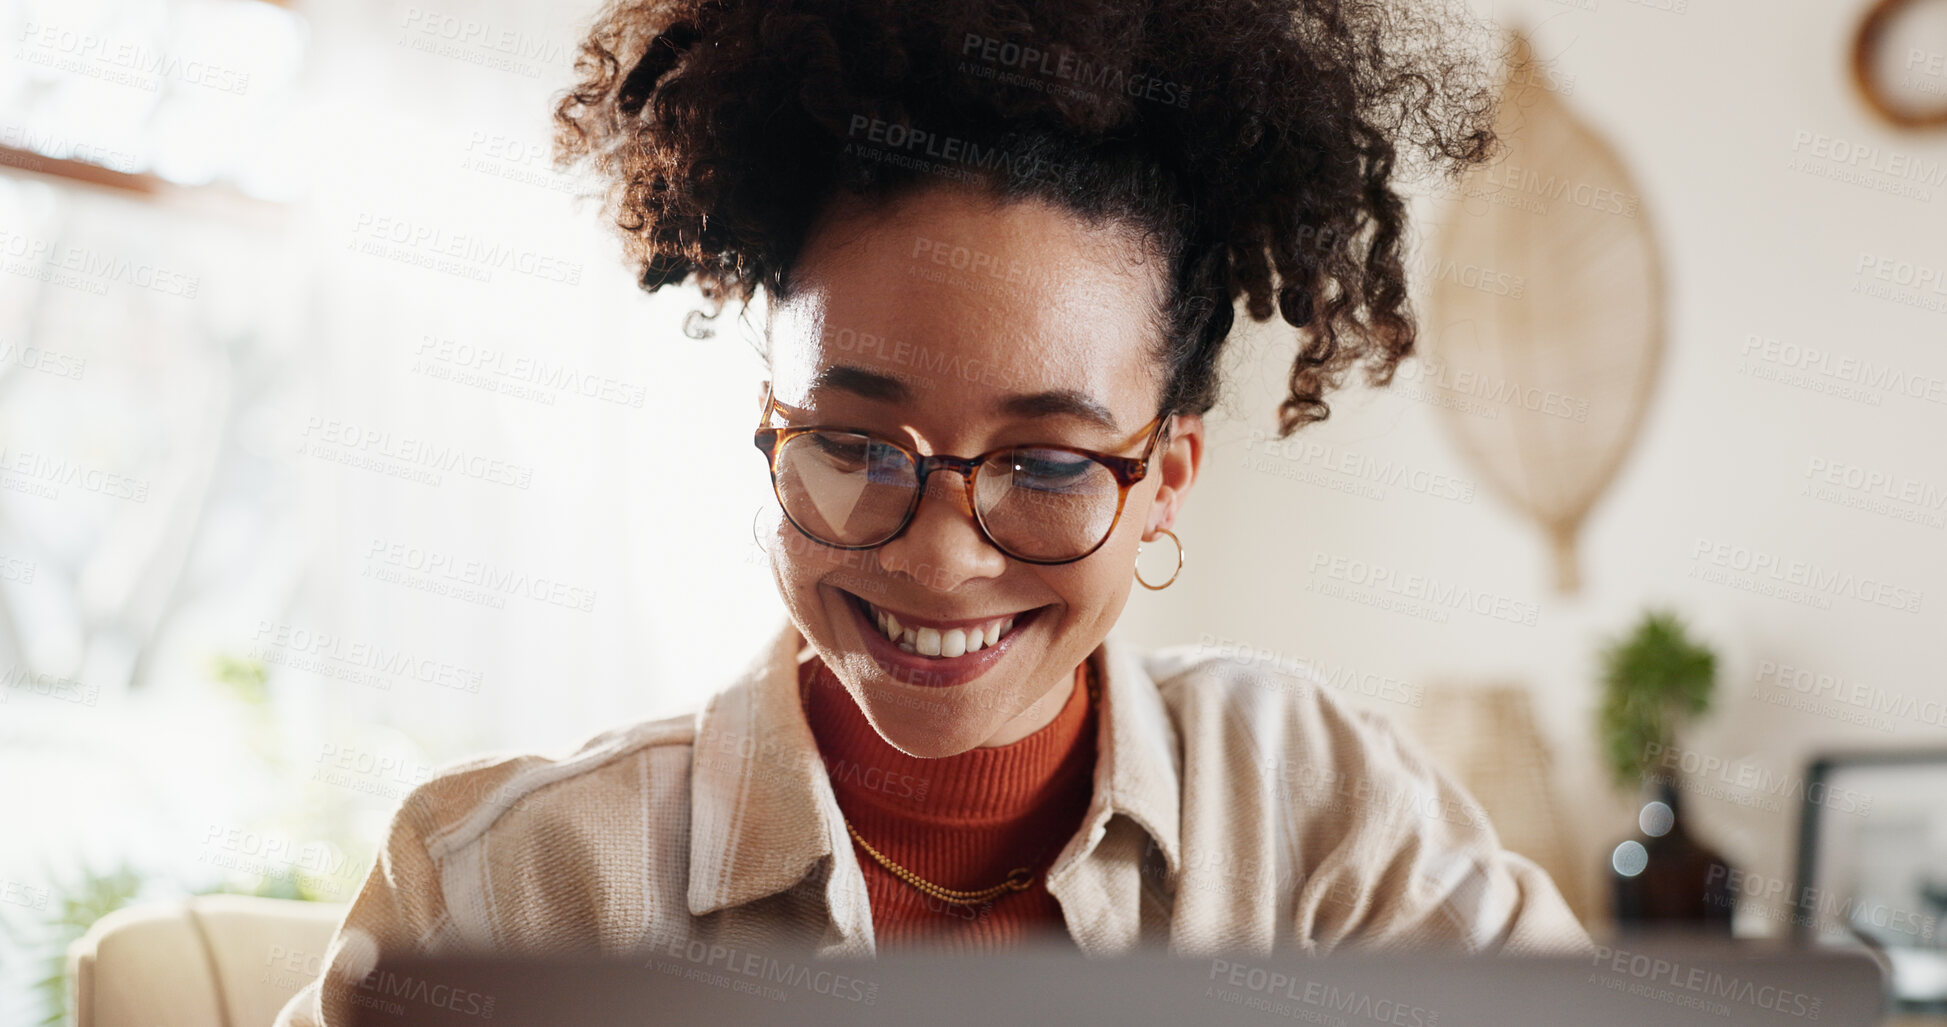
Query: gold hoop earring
[1173,574]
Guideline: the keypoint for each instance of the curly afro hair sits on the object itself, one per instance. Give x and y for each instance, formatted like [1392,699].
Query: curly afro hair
[1254,145]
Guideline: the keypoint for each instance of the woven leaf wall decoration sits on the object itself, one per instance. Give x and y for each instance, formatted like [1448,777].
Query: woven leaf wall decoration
[1546,304]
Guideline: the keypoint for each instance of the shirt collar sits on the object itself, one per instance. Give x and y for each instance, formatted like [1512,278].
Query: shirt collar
[759,800]
[762,811]
[1137,773]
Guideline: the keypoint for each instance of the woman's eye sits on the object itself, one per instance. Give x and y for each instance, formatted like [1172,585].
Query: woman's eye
[843,449]
[1049,468]
[854,453]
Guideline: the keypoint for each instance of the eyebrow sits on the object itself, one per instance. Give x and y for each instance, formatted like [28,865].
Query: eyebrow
[861,382]
[886,388]
[1054,402]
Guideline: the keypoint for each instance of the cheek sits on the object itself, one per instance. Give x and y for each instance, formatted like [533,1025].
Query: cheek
[1093,590]
[801,567]
[1110,575]
[798,563]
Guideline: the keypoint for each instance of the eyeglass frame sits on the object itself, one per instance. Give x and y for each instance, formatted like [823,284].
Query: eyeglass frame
[1128,470]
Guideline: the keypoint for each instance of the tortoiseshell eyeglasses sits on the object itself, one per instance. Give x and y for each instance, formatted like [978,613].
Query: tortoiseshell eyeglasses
[853,489]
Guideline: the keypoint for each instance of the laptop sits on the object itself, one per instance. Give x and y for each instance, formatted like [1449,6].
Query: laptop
[1619,985]
[1872,865]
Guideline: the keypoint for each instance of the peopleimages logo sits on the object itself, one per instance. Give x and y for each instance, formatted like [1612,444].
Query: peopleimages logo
[1682,984]
[1358,467]
[1840,374]
[1469,275]
[46,361]
[876,779]
[1433,373]
[389,993]
[937,364]
[1068,70]
[1749,784]
[475,42]
[129,62]
[418,566]
[1906,282]
[740,970]
[899,142]
[333,655]
[341,442]
[1372,583]
[1742,567]
[1300,674]
[463,254]
[1870,157]
[1925,277]
[520,375]
[44,475]
[1809,906]
[1549,189]
[1867,698]
[89,269]
[1876,491]
[1263,989]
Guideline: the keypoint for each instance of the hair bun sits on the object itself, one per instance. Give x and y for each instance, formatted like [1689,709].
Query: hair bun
[660,56]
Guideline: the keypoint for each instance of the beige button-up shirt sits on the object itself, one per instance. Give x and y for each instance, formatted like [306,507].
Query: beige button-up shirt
[1237,808]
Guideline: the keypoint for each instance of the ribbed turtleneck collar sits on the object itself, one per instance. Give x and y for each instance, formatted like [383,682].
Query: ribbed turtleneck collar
[983,784]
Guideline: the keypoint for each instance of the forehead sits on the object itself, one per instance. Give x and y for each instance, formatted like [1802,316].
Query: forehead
[966,301]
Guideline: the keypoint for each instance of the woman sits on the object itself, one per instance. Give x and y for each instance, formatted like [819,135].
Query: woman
[999,249]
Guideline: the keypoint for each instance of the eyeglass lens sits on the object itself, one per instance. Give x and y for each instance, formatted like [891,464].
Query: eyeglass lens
[1036,503]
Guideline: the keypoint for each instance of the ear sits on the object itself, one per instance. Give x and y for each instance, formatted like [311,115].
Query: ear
[1177,468]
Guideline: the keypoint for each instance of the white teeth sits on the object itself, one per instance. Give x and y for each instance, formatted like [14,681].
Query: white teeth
[941,644]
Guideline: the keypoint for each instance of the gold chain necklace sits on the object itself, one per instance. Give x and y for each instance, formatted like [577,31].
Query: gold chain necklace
[1018,879]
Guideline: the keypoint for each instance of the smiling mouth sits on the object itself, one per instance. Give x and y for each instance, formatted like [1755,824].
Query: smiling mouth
[943,641]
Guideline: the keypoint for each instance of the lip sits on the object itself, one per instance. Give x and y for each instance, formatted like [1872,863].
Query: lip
[915,621]
[931,671]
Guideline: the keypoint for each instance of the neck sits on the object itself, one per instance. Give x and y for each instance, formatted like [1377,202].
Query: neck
[984,782]
[1035,717]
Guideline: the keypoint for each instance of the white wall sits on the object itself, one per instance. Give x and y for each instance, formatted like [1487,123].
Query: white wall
[1708,107]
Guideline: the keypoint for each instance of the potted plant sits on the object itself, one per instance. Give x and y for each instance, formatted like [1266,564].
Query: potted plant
[1655,679]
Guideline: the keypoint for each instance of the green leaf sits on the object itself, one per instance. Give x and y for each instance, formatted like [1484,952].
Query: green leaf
[85,900]
[246,676]
[1654,679]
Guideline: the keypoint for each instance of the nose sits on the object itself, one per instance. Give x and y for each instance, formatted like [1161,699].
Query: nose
[943,548]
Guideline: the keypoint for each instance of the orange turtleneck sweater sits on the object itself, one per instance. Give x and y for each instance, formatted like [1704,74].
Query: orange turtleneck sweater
[960,822]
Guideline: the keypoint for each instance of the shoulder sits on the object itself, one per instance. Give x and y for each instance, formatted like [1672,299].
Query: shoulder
[1274,730]
[1384,846]
[466,800]
[1286,706]
[462,858]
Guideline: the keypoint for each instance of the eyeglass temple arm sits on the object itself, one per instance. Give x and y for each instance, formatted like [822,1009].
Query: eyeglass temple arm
[1162,428]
